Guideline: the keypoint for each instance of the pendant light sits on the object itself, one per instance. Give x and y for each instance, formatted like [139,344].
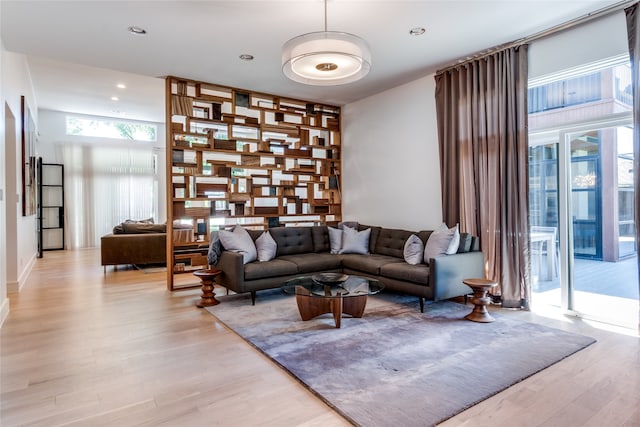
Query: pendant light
[326,58]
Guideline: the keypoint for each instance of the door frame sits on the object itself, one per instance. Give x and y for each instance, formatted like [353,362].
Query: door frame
[561,136]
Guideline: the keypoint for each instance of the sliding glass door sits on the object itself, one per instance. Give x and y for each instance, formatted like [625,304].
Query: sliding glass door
[583,248]
[604,283]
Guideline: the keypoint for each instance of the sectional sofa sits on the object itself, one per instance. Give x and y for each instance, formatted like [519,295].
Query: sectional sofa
[306,250]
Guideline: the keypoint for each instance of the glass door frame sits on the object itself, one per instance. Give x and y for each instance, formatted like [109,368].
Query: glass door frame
[562,136]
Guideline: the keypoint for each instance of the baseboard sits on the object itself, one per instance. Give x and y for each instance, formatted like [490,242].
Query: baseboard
[13,287]
[17,286]
[4,311]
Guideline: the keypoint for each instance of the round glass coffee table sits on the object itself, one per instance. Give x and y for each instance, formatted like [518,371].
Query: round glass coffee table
[315,298]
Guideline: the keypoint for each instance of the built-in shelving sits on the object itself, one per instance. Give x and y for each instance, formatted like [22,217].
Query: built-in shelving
[242,157]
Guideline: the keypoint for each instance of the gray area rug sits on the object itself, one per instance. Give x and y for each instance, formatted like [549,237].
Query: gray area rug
[395,365]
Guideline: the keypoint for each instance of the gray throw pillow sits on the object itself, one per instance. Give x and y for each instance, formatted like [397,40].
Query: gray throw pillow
[266,247]
[455,240]
[239,241]
[354,241]
[441,242]
[335,240]
[215,248]
[413,250]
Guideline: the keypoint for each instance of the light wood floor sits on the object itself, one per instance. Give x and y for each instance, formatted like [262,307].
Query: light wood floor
[85,349]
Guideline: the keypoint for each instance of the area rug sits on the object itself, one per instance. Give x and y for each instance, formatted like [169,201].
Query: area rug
[395,365]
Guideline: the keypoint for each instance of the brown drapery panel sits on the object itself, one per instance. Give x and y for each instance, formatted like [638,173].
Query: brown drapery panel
[482,130]
[633,35]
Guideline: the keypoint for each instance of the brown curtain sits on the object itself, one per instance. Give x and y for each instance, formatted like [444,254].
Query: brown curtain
[633,35]
[482,129]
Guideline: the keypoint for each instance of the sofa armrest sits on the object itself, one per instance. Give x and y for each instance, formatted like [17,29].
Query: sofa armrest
[232,266]
[446,273]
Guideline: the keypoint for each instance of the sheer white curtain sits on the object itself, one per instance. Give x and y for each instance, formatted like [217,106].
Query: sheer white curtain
[105,185]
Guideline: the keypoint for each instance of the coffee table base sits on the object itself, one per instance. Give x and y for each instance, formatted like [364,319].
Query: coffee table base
[314,306]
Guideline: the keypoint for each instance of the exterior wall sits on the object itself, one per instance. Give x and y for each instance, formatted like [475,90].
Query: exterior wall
[391,165]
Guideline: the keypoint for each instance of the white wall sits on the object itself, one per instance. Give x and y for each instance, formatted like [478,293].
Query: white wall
[20,235]
[4,301]
[390,166]
[594,40]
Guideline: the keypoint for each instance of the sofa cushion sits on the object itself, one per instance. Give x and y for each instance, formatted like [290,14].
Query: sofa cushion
[292,240]
[314,262]
[320,236]
[424,235]
[254,233]
[391,242]
[369,264]
[140,228]
[402,271]
[275,267]
[465,243]
[375,232]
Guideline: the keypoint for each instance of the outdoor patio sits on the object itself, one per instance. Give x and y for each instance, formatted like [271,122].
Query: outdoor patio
[606,291]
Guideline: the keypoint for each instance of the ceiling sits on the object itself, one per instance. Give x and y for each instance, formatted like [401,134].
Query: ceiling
[79,50]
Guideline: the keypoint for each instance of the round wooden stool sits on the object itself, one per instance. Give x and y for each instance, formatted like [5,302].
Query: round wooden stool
[480,299]
[207,277]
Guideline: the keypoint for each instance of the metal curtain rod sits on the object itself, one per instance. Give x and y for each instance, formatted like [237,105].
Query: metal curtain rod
[544,33]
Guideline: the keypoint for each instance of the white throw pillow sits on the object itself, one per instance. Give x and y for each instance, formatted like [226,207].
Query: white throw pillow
[335,240]
[266,247]
[455,241]
[440,241]
[413,250]
[239,241]
[354,241]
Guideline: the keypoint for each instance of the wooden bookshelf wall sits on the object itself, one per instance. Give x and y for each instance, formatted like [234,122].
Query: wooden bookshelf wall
[240,157]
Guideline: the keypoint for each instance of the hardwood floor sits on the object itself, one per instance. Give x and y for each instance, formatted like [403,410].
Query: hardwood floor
[82,348]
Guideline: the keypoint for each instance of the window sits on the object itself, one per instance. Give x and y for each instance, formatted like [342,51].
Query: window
[111,129]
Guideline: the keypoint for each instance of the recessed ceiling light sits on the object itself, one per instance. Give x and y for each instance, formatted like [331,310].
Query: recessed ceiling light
[114,98]
[417,31]
[138,31]
[121,86]
[246,57]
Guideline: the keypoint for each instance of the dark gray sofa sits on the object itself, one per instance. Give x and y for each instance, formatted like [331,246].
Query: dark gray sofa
[305,251]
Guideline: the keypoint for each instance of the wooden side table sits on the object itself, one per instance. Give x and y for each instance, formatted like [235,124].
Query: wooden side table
[207,277]
[480,299]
